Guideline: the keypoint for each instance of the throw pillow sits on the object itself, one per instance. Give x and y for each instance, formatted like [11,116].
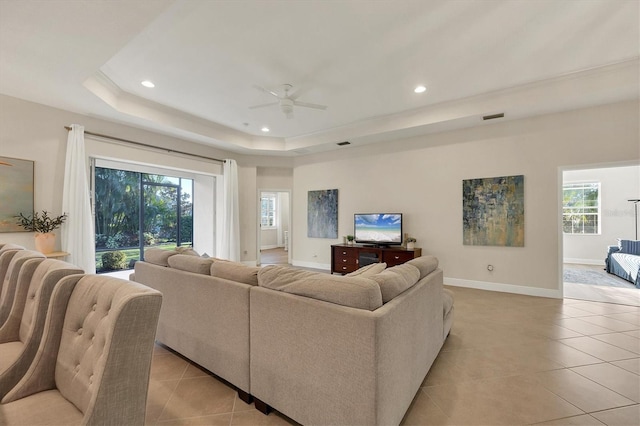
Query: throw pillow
[190,263]
[355,292]
[235,271]
[395,280]
[425,264]
[186,250]
[158,256]
[367,271]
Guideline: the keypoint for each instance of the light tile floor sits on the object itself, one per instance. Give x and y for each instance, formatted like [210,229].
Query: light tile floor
[510,360]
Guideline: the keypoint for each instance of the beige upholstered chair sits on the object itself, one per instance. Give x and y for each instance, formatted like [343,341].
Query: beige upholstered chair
[10,281]
[21,334]
[92,366]
[6,254]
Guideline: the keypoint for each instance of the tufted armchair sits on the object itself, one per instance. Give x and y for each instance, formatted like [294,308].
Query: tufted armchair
[21,334]
[8,291]
[6,254]
[92,366]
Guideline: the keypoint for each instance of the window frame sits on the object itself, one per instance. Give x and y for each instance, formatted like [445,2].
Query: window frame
[595,211]
[272,213]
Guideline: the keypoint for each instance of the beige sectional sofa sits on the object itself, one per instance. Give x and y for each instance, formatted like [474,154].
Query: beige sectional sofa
[320,348]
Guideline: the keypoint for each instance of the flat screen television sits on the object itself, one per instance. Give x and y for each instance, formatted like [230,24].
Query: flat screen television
[380,229]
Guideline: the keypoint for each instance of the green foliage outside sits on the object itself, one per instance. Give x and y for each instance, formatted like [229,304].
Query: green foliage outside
[580,208]
[118,206]
[113,260]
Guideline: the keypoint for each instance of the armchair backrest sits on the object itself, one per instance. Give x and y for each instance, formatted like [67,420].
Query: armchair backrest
[37,295]
[10,282]
[6,254]
[105,349]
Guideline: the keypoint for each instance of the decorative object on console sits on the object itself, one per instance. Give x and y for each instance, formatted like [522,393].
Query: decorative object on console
[493,211]
[322,214]
[16,181]
[350,239]
[411,243]
[43,225]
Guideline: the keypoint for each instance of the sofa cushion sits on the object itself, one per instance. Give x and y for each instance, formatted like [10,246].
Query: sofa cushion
[425,264]
[10,247]
[629,246]
[395,280]
[367,271]
[356,292]
[190,263]
[235,271]
[158,256]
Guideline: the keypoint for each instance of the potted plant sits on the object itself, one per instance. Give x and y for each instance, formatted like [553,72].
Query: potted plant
[350,239]
[411,243]
[43,225]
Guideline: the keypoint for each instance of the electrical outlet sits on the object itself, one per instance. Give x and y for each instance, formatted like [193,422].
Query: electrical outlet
[490,268]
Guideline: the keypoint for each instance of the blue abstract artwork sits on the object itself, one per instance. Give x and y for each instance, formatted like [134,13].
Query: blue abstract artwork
[493,211]
[322,214]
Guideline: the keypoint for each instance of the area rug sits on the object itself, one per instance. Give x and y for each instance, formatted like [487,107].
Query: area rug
[594,275]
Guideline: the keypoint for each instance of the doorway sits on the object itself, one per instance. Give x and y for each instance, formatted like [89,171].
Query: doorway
[595,214]
[274,224]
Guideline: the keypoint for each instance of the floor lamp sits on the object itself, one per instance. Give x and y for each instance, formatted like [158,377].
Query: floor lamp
[635,206]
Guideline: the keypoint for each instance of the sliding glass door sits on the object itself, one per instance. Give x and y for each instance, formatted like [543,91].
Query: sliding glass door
[135,211]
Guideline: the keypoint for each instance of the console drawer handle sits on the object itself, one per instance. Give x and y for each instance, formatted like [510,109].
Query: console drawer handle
[397,257]
[344,252]
[344,260]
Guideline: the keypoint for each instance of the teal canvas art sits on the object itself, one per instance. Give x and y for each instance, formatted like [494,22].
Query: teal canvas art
[322,214]
[493,211]
[16,192]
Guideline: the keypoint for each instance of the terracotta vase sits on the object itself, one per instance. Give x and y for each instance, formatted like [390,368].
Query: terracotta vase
[45,243]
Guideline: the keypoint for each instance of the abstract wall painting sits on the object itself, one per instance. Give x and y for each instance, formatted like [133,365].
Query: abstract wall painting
[322,214]
[493,211]
[16,192]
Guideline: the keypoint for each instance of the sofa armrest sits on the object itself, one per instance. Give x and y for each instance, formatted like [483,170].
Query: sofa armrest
[612,249]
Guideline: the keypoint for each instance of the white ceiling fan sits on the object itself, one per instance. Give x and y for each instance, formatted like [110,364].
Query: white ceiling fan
[286,100]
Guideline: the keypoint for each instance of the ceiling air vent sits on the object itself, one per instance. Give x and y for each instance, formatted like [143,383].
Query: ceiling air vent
[343,143]
[491,117]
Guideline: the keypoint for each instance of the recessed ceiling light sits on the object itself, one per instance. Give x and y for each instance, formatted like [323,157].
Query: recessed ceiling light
[420,89]
[265,129]
[148,84]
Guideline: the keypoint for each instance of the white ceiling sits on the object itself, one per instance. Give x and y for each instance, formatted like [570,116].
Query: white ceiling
[360,58]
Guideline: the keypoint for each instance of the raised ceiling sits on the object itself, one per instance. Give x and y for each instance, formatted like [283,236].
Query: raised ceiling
[360,58]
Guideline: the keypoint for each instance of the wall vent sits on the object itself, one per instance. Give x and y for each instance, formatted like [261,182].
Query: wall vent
[343,143]
[491,117]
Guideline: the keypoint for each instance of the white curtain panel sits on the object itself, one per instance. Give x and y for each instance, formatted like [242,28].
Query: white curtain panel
[229,243]
[77,232]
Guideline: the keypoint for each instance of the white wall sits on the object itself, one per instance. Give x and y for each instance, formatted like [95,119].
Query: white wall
[617,185]
[422,178]
[36,132]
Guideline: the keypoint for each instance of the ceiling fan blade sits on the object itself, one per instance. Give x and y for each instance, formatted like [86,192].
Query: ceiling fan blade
[263,105]
[308,105]
[271,92]
[299,92]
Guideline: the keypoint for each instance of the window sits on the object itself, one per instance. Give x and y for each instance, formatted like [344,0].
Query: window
[268,210]
[581,208]
[136,210]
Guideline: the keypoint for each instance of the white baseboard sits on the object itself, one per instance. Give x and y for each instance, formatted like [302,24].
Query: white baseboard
[598,262]
[312,265]
[504,288]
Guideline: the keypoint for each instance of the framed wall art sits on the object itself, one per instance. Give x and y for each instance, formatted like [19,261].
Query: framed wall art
[493,211]
[16,192]
[322,214]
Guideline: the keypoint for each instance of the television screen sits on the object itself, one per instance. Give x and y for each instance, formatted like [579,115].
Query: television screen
[378,228]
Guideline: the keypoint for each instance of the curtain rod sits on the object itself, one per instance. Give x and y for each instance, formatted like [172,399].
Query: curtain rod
[149,146]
